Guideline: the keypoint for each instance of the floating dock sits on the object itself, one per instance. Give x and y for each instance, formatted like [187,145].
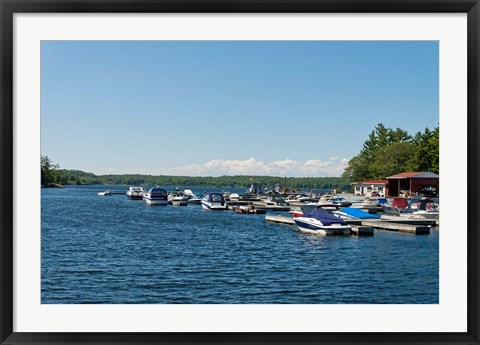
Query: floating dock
[362,230]
[410,221]
[400,227]
[365,227]
[358,229]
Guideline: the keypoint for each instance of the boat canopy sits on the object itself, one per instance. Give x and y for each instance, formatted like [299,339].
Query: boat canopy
[323,216]
[156,191]
[215,197]
[358,213]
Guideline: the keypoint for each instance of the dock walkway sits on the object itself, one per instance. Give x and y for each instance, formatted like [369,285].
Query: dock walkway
[366,226]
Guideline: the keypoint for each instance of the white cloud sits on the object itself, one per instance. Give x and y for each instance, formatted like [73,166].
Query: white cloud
[287,167]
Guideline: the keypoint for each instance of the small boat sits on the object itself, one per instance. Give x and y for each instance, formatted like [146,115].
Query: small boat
[372,205]
[296,212]
[307,208]
[177,196]
[156,196]
[321,222]
[234,196]
[423,209]
[196,199]
[275,201]
[326,198]
[135,193]
[246,210]
[214,201]
[341,201]
[396,205]
[105,193]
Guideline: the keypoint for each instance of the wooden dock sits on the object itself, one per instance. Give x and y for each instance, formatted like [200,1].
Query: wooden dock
[365,227]
[395,226]
[410,221]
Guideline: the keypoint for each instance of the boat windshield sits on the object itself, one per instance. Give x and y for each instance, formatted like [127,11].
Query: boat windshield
[217,197]
[158,192]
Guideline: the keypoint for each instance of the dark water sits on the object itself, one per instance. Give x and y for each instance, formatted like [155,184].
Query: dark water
[113,250]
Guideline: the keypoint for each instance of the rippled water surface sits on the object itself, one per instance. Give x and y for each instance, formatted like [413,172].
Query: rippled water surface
[114,250]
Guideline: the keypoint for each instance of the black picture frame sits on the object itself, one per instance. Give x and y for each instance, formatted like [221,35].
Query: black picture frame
[9,7]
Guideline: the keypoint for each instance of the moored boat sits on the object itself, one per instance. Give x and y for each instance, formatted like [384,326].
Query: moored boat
[423,209]
[196,199]
[156,196]
[135,193]
[321,222]
[105,193]
[247,210]
[214,201]
[178,197]
[275,201]
[396,205]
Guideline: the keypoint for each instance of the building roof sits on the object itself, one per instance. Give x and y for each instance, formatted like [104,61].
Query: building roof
[413,175]
[372,182]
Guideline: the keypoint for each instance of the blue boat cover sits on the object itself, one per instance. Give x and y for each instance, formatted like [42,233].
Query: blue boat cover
[325,217]
[358,213]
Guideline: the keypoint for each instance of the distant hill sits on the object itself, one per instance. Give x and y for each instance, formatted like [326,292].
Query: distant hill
[78,177]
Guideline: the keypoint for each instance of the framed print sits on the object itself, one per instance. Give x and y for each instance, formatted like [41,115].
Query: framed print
[239,172]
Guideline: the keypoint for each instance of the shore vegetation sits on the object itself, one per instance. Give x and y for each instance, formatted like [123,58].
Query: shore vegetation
[389,151]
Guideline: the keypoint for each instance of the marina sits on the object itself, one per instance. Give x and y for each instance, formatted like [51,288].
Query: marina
[346,220]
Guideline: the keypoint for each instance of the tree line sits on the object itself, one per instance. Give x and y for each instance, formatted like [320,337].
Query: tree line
[389,151]
[78,177]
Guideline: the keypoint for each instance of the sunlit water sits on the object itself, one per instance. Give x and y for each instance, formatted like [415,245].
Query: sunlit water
[114,250]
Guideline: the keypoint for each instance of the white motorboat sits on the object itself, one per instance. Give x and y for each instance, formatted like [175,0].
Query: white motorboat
[156,196]
[423,209]
[196,199]
[214,201]
[177,197]
[135,193]
[321,222]
[105,193]
[188,193]
[275,201]
[396,205]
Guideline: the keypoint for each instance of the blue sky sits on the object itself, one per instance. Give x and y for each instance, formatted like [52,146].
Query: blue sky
[295,108]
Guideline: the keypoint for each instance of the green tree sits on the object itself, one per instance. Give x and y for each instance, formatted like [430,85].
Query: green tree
[48,171]
[390,151]
[391,160]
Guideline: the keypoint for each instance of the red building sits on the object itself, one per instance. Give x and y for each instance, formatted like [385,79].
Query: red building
[413,183]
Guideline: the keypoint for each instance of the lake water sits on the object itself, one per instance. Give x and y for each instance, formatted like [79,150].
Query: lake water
[114,250]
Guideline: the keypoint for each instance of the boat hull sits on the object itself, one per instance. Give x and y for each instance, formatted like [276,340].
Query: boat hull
[156,201]
[311,225]
[213,206]
[135,197]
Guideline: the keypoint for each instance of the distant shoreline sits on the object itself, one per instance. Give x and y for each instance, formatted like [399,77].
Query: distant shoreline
[78,177]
